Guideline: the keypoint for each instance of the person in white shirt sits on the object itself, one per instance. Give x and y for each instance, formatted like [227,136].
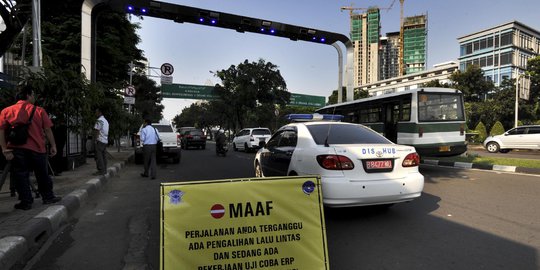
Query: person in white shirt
[149,138]
[101,135]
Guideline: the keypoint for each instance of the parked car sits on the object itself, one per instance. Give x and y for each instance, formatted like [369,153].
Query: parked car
[357,165]
[181,130]
[170,139]
[250,138]
[193,137]
[522,137]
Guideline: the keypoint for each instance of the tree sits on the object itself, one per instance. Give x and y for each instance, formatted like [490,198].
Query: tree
[248,86]
[482,133]
[332,99]
[497,129]
[533,69]
[193,116]
[147,98]
[436,83]
[472,83]
[68,93]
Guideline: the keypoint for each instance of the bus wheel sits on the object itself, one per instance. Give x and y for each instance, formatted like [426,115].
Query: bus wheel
[492,147]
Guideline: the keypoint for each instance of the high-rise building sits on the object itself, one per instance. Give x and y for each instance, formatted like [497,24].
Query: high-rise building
[365,32]
[377,58]
[389,56]
[501,51]
[414,44]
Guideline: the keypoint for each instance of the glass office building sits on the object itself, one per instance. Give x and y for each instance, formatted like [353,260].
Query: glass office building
[502,51]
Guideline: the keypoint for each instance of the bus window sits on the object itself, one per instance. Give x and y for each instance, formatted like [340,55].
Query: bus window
[439,107]
[406,110]
[370,115]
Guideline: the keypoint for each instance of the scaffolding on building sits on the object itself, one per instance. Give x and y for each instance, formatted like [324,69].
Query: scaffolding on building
[414,44]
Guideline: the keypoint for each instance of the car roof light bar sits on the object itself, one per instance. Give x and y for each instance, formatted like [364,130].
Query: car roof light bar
[301,117]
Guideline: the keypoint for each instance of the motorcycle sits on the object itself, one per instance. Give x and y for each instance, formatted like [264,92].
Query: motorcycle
[221,150]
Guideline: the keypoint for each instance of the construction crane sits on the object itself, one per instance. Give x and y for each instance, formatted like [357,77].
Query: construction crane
[351,9]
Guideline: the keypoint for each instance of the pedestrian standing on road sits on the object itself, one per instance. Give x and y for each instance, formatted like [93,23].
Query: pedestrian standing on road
[149,139]
[29,155]
[101,135]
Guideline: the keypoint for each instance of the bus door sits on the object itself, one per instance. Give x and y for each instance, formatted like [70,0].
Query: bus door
[391,114]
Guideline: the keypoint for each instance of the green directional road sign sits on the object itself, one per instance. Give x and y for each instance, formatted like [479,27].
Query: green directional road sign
[188,91]
[307,100]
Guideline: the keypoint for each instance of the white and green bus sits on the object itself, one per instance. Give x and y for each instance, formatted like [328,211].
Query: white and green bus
[430,119]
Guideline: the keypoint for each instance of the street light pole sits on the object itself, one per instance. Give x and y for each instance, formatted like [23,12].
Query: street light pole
[517,101]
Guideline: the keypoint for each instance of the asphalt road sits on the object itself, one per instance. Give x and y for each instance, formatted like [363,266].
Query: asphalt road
[466,219]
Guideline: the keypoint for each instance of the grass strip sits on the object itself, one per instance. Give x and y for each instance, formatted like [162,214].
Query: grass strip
[518,162]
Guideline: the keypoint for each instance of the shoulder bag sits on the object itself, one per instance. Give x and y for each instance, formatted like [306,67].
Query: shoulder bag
[18,133]
[159,145]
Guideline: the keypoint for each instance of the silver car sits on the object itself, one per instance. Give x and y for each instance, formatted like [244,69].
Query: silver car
[522,137]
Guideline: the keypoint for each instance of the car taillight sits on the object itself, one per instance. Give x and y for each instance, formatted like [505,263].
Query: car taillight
[178,139]
[411,160]
[335,162]
[251,138]
[189,136]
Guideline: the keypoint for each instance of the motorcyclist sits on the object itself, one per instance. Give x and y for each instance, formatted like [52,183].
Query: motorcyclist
[220,141]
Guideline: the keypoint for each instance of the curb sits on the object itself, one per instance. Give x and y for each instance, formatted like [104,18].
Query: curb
[465,165]
[15,250]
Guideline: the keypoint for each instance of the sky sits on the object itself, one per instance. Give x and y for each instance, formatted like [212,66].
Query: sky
[308,68]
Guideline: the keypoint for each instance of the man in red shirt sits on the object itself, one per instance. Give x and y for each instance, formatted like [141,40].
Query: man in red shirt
[32,154]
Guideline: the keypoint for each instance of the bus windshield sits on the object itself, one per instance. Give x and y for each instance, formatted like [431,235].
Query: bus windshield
[439,107]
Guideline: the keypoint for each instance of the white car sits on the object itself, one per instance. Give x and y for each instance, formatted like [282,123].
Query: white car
[357,165]
[523,137]
[250,138]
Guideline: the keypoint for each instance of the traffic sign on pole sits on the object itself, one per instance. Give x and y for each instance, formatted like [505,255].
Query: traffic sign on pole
[167,69]
[166,80]
[129,91]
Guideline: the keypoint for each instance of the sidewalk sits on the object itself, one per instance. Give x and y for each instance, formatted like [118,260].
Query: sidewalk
[22,233]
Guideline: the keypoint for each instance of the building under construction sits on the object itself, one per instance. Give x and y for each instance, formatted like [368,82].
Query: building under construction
[414,44]
[378,58]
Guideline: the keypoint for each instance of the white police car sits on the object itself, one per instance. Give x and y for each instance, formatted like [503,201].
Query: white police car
[357,165]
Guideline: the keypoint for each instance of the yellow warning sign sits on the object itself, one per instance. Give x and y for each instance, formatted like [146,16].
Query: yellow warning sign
[260,223]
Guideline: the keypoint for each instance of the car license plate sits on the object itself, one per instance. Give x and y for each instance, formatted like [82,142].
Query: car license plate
[196,137]
[261,139]
[378,164]
[445,148]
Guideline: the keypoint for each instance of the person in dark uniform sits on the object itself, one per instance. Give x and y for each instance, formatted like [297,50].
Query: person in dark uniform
[58,163]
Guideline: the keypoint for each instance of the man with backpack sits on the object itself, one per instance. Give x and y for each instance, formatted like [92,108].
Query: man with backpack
[23,129]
